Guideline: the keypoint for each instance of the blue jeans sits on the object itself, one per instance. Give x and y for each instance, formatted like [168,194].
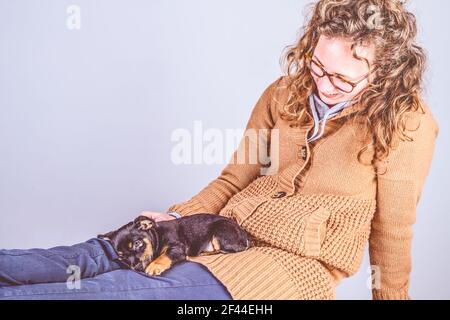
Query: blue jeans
[91,270]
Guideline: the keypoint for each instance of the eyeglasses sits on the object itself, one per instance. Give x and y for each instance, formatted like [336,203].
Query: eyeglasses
[336,80]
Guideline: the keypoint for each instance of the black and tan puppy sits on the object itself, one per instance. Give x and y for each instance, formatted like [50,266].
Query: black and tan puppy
[145,245]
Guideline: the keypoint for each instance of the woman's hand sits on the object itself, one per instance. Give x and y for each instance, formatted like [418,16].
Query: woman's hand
[157,216]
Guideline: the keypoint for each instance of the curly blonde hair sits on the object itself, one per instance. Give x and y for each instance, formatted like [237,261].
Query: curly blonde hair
[398,66]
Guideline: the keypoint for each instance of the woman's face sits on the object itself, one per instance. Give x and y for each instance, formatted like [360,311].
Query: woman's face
[336,56]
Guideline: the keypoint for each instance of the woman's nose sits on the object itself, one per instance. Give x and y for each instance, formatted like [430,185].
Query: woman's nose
[324,85]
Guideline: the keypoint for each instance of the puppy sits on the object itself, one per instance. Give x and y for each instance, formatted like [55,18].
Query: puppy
[145,245]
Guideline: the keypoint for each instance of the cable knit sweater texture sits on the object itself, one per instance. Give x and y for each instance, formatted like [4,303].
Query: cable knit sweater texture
[311,217]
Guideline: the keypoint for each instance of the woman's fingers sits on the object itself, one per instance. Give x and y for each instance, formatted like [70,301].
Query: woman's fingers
[149,214]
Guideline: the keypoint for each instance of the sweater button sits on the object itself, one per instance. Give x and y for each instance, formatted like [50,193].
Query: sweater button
[279,194]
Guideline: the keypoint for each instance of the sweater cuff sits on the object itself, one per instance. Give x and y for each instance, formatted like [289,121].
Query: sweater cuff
[189,207]
[390,295]
[174,214]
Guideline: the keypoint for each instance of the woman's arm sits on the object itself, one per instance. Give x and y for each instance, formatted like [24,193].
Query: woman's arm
[398,192]
[235,176]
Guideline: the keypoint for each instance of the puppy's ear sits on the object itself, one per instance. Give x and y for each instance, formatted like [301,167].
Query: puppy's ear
[144,223]
[107,236]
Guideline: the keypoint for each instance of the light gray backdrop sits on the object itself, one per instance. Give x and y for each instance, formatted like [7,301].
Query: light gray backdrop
[86,115]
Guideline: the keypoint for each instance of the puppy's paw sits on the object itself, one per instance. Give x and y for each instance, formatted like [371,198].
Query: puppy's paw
[155,269]
[158,266]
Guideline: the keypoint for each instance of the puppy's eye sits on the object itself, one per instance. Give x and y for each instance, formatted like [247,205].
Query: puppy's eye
[137,244]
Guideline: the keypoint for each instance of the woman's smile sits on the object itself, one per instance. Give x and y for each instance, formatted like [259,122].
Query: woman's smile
[330,99]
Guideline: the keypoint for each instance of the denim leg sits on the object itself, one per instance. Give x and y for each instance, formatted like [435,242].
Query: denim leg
[31,266]
[185,281]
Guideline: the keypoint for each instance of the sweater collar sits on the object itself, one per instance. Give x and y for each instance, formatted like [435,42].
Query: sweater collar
[321,112]
[347,107]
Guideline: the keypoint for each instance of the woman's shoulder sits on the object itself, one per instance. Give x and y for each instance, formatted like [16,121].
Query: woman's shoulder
[280,84]
[422,121]
[278,91]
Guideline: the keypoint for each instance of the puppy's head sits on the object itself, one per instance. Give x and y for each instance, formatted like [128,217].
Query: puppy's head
[135,242]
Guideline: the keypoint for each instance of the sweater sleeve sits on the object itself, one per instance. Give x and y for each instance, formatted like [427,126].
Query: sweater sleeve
[237,174]
[398,192]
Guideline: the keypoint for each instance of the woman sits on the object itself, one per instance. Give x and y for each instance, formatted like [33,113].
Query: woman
[350,143]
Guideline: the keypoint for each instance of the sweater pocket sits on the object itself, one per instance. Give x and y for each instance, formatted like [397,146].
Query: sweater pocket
[284,224]
[315,231]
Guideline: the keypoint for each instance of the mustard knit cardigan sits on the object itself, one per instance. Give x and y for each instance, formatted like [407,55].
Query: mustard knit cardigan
[312,215]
